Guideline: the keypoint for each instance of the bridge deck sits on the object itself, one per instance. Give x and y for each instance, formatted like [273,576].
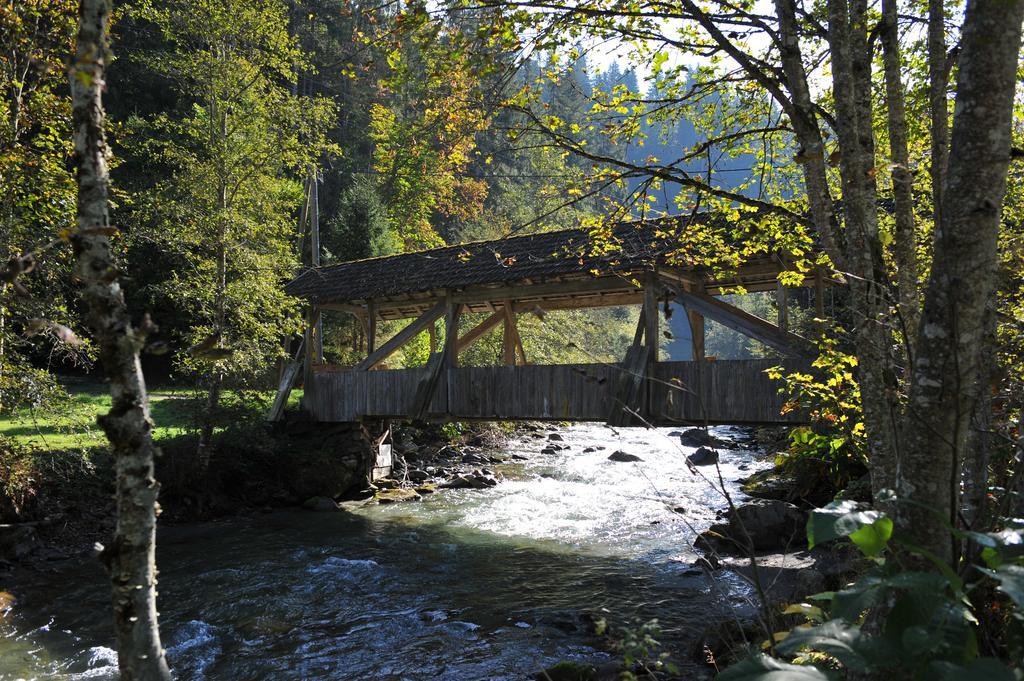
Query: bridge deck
[724,391]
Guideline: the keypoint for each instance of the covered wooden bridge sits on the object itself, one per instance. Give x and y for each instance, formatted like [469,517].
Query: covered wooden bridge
[530,274]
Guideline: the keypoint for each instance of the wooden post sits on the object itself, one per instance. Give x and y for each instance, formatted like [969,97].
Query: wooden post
[371,327]
[317,336]
[508,338]
[781,302]
[451,332]
[651,317]
[697,333]
[432,333]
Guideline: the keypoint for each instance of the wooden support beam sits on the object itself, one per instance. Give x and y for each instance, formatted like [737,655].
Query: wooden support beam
[432,332]
[453,311]
[628,387]
[509,334]
[651,315]
[371,326]
[782,305]
[745,323]
[697,333]
[401,338]
[474,334]
[439,362]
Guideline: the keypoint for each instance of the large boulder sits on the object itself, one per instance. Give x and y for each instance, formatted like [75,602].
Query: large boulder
[771,525]
[329,461]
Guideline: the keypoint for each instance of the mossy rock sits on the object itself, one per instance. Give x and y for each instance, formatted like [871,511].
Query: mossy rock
[771,483]
[569,671]
[390,496]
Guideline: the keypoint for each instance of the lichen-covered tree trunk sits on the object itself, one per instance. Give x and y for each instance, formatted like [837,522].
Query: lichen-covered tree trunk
[960,284]
[905,250]
[938,83]
[807,130]
[131,555]
[851,87]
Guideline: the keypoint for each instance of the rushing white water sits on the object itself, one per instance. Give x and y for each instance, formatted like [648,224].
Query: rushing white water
[467,584]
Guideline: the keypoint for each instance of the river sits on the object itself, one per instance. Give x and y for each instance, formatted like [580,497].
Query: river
[464,585]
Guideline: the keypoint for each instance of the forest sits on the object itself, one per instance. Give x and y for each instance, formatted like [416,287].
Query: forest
[168,168]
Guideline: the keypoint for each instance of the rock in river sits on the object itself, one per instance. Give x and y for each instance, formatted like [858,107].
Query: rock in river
[704,456]
[770,523]
[472,480]
[623,457]
[390,496]
[698,437]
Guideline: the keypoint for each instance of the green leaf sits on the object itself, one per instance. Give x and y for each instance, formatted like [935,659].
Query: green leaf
[764,668]
[1011,582]
[872,539]
[846,519]
[835,637]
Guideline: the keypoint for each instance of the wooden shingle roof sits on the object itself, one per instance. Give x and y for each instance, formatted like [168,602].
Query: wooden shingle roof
[501,261]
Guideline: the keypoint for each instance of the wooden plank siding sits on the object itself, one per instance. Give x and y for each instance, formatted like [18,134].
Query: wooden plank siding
[723,392]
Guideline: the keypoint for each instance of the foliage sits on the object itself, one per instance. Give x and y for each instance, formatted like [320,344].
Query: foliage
[830,396]
[639,647]
[38,199]
[898,619]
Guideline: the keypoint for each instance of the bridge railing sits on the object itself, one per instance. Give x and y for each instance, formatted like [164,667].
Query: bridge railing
[723,391]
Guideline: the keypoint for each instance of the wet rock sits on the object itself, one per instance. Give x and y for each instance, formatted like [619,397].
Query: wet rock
[391,496]
[698,437]
[474,458]
[704,456]
[519,457]
[320,504]
[555,437]
[549,450]
[354,504]
[623,457]
[773,483]
[589,450]
[771,524]
[471,480]
[418,476]
[386,483]
[17,540]
[537,436]
[426,489]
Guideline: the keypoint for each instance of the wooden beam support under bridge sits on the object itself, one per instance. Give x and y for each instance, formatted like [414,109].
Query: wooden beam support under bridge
[744,322]
[422,322]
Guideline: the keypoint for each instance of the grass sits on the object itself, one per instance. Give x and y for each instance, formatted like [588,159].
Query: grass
[72,426]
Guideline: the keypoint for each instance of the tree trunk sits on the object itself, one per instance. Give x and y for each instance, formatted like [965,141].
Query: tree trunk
[220,293]
[902,181]
[938,84]
[807,130]
[131,556]
[960,284]
[851,86]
